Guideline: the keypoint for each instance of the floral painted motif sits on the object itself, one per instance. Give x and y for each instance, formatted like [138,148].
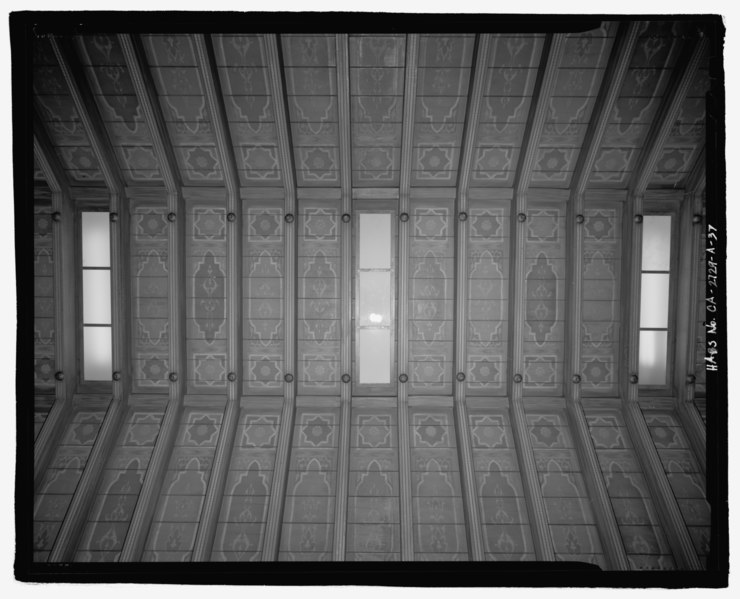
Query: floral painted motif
[317,431]
[431,432]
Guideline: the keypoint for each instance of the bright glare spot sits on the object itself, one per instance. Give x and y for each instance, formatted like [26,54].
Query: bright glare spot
[376,318]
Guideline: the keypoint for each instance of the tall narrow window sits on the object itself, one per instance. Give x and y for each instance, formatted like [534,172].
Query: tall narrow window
[654,299]
[96,297]
[374,289]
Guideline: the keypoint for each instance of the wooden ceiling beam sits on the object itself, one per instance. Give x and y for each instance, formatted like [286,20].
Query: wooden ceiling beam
[90,117]
[548,71]
[345,359]
[465,445]
[404,233]
[146,94]
[276,501]
[673,97]
[611,85]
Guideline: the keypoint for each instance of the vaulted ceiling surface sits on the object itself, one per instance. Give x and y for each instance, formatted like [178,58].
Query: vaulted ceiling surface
[613,79]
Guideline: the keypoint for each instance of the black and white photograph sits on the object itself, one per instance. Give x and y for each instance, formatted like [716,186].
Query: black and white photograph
[313,298]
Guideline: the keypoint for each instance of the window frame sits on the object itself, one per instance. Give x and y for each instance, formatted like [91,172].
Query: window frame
[672,208]
[83,385]
[374,389]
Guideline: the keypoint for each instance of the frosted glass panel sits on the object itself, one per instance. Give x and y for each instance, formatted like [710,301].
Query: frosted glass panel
[654,301]
[375,356]
[656,243]
[96,296]
[375,240]
[95,239]
[653,347]
[375,298]
[98,358]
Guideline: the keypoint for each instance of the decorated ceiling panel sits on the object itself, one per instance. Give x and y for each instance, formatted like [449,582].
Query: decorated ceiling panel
[248,98]
[377,77]
[656,52]
[577,84]
[179,84]
[544,313]
[441,103]
[376,92]
[207,303]
[393,474]
[263,296]
[686,139]
[44,321]
[57,112]
[115,96]
[311,89]
[507,95]
[150,271]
